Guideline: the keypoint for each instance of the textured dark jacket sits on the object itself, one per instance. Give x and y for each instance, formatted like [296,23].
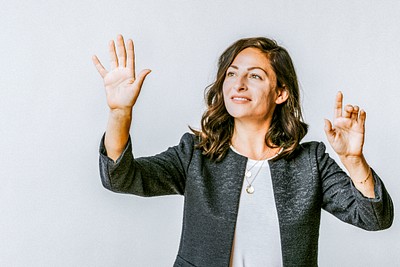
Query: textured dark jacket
[302,186]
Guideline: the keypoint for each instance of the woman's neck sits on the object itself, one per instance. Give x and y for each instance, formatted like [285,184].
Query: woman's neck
[249,140]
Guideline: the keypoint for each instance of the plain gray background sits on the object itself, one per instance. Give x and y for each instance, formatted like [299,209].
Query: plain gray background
[54,210]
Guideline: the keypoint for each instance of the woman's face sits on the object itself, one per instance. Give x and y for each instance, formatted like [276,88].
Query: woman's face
[249,87]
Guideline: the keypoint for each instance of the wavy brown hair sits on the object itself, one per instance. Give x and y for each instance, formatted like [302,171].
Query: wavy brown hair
[287,127]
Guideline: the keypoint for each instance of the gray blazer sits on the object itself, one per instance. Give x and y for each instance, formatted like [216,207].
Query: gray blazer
[302,186]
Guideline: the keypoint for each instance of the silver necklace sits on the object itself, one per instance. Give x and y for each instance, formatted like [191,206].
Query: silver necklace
[248,174]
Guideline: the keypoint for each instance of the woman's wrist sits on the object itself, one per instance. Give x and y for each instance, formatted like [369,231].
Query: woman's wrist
[351,162]
[357,167]
[360,173]
[121,114]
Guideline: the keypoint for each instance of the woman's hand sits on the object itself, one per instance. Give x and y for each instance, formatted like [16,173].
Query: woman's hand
[346,136]
[122,91]
[121,84]
[347,139]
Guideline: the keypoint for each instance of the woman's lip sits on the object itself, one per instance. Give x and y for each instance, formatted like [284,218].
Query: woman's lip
[240,99]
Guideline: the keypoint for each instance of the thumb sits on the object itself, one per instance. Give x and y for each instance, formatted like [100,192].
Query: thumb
[328,129]
[328,125]
[137,84]
[141,77]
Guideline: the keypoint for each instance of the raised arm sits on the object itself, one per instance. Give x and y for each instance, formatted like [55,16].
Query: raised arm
[346,136]
[122,90]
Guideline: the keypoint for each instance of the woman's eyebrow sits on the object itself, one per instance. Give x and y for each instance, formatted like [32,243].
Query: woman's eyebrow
[251,68]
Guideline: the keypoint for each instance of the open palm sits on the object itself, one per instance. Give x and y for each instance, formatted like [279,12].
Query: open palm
[121,84]
[346,135]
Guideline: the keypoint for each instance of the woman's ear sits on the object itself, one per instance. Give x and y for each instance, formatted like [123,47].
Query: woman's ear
[282,95]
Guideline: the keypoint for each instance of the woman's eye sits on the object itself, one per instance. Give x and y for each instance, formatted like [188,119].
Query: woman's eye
[255,76]
[230,74]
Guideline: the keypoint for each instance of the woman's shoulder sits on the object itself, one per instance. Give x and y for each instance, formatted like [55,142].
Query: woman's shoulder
[188,138]
[311,145]
[187,143]
[307,154]
[310,149]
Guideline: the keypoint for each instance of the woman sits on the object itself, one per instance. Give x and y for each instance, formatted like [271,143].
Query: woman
[247,152]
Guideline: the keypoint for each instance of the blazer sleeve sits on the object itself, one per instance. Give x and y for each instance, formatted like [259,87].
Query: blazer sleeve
[342,199]
[162,174]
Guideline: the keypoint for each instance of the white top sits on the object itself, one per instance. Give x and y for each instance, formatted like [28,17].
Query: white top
[257,238]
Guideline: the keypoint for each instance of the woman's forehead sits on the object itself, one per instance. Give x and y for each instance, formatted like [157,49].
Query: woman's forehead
[252,57]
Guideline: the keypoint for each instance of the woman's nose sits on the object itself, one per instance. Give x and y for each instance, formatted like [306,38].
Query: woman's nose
[240,84]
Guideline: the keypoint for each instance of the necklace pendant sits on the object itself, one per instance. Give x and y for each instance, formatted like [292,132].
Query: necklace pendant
[248,174]
[250,189]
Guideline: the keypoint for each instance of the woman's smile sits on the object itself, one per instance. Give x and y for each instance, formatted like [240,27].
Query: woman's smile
[240,99]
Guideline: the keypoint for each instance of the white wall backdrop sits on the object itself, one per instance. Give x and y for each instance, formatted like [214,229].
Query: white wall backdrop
[53,208]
